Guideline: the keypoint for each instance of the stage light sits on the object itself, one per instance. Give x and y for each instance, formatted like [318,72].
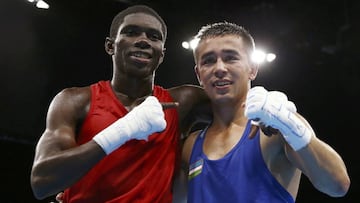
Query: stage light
[190,44]
[194,43]
[258,56]
[270,57]
[185,45]
[40,4]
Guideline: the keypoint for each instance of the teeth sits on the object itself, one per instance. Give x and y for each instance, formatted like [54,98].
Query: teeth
[222,83]
[141,55]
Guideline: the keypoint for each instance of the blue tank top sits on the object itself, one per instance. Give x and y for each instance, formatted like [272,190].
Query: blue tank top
[240,176]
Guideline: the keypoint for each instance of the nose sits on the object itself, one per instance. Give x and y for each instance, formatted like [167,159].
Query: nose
[142,41]
[220,68]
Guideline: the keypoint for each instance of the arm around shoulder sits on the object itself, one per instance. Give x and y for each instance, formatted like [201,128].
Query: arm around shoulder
[194,106]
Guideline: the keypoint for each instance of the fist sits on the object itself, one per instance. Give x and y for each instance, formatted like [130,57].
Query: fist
[148,118]
[273,109]
[264,106]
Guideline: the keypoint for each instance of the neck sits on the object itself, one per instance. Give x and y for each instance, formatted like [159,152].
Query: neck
[131,95]
[227,114]
[132,88]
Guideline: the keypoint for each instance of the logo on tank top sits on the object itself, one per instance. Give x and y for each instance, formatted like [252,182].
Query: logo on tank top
[195,168]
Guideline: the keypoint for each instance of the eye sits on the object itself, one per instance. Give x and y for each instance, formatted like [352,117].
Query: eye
[154,35]
[230,58]
[208,61]
[131,31]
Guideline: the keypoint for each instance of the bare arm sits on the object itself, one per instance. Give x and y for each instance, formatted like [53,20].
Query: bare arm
[187,148]
[58,161]
[194,106]
[322,165]
[317,160]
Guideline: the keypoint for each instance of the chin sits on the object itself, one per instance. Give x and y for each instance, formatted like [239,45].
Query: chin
[222,98]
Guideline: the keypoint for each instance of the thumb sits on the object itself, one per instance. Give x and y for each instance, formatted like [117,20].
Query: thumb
[253,131]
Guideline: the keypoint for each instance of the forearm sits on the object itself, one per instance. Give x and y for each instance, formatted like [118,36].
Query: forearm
[314,158]
[55,171]
[58,172]
[323,166]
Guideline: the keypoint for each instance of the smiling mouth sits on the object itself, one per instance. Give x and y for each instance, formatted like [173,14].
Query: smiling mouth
[221,83]
[140,57]
[140,54]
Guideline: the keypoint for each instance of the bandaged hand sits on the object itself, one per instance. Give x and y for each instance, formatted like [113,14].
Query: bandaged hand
[272,108]
[142,121]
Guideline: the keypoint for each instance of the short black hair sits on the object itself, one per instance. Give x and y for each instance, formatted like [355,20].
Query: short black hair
[226,28]
[119,18]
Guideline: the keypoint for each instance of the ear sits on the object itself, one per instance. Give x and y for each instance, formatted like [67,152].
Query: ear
[254,68]
[197,74]
[109,45]
[161,59]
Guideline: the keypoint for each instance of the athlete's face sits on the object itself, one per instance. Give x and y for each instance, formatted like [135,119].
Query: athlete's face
[139,45]
[224,68]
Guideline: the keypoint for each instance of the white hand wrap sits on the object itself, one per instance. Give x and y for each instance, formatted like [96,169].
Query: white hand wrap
[142,121]
[273,109]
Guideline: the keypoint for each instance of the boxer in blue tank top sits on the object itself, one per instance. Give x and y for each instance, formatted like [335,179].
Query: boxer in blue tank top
[257,145]
[233,178]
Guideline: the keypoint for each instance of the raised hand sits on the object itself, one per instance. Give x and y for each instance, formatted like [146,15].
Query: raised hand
[273,109]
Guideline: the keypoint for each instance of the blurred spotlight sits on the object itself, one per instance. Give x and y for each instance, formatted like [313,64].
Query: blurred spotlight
[190,44]
[194,43]
[259,56]
[185,45]
[270,57]
[40,4]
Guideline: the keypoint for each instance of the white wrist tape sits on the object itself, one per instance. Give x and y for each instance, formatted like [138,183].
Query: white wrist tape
[293,129]
[144,120]
[273,109]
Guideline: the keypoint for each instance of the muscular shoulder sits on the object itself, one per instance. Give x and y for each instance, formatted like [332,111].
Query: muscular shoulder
[74,96]
[71,103]
[75,92]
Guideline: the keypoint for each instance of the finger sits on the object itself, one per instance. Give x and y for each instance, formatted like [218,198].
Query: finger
[253,131]
[269,131]
[59,197]
[168,105]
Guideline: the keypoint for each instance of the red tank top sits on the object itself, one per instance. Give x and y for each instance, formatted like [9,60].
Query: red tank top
[138,171]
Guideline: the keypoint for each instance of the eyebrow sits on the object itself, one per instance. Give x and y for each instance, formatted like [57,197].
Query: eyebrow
[224,51]
[230,51]
[208,54]
[144,29]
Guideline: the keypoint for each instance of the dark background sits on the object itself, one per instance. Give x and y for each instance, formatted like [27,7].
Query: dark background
[44,51]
